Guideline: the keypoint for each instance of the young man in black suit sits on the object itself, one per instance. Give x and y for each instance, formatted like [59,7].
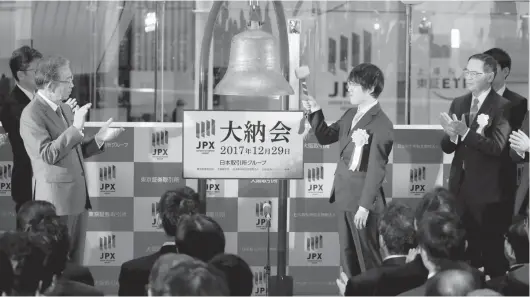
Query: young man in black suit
[23,64]
[134,274]
[477,131]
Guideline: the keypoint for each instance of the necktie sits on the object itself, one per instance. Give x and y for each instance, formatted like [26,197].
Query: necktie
[474,110]
[356,118]
[61,115]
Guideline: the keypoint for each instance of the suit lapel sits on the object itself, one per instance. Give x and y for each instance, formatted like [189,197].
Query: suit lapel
[484,108]
[347,126]
[49,112]
[361,124]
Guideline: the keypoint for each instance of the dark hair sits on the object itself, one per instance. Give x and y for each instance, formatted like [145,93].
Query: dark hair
[452,283]
[490,65]
[200,237]
[21,58]
[438,199]
[396,226]
[161,268]
[55,242]
[517,237]
[368,76]
[28,262]
[501,56]
[195,278]
[237,273]
[33,210]
[442,236]
[173,204]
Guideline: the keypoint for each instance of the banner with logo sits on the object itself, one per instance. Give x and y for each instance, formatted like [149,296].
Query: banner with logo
[126,182]
[243,144]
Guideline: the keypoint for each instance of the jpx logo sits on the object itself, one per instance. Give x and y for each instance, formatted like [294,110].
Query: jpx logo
[346,55]
[261,222]
[107,179]
[203,131]
[5,178]
[213,188]
[260,283]
[418,180]
[313,246]
[107,246]
[160,143]
[154,214]
[315,179]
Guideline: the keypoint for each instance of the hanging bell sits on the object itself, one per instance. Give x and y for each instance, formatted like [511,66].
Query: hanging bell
[254,66]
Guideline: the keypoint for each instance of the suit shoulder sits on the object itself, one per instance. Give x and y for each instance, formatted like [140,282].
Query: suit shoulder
[509,94]
[141,263]
[30,111]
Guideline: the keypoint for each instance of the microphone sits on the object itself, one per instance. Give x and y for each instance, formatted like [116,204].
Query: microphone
[267,210]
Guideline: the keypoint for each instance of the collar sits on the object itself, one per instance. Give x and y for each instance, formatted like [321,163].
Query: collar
[26,92]
[365,108]
[501,90]
[431,274]
[168,243]
[52,104]
[393,256]
[481,97]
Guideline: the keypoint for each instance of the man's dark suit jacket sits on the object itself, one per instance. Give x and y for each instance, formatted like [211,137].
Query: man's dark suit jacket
[514,283]
[362,187]
[78,273]
[134,274]
[66,287]
[366,283]
[481,154]
[522,191]
[399,279]
[22,172]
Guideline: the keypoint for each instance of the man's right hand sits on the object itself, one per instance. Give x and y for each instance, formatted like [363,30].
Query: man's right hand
[445,121]
[79,116]
[309,103]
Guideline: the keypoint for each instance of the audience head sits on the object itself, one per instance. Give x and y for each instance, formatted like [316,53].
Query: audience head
[516,244]
[504,65]
[23,64]
[28,263]
[452,283]
[160,270]
[173,204]
[195,278]
[199,236]
[484,292]
[55,242]
[33,210]
[437,200]
[237,272]
[54,77]
[480,72]
[366,81]
[396,229]
[441,237]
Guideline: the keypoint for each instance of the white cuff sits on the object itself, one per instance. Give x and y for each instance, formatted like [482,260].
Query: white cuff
[315,109]
[464,137]
[363,209]
[454,140]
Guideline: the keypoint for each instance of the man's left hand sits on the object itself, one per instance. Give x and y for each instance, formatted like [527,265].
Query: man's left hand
[361,216]
[459,126]
[519,141]
[72,102]
[106,133]
[342,281]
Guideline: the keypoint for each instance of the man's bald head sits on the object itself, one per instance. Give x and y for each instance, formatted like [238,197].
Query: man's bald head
[452,283]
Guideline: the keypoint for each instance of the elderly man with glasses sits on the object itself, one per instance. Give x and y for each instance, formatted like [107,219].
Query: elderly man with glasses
[56,145]
[476,131]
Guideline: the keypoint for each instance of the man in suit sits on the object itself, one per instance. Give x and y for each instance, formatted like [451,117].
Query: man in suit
[36,210]
[477,131]
[519,148]
[56,145]
[396,237]
[366,136]
[134,274]
[23,64]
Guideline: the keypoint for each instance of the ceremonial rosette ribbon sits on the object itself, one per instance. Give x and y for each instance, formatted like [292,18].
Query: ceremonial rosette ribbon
[360,139]
[482,120]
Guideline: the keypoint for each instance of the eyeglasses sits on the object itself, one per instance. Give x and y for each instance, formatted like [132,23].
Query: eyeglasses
[472,74]
[68,81]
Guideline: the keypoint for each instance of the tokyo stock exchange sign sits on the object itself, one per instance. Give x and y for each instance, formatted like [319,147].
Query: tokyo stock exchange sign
[243,144]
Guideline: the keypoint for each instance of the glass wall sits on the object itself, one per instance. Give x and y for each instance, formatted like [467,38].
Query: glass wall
[136,60]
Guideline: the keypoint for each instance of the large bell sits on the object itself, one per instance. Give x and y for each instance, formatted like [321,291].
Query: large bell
[253,68]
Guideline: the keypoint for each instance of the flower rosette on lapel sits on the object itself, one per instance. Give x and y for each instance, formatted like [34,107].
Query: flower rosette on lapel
[360,139]
[483,121]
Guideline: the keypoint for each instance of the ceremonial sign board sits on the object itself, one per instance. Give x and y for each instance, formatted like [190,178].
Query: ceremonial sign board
[243,144]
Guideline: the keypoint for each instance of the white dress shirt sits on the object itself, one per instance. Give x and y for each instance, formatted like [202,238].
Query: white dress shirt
[362,109]
[501,90]
[26,92]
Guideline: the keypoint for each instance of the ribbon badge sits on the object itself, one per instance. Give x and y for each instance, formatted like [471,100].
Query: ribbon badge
[482,120]
[360,139]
